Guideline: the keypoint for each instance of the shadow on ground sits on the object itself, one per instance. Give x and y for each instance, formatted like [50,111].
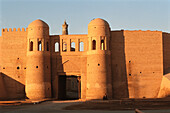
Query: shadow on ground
[125,104]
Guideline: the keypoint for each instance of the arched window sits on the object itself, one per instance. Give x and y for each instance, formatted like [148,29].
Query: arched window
[94,45]
[31,46]
[64,46]
[39,46]
[81,46]
[47,46]
[72,46]
[102,45]
[56,47]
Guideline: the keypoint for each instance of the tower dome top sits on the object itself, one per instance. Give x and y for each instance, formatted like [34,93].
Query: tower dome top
[38,23]
[98,22]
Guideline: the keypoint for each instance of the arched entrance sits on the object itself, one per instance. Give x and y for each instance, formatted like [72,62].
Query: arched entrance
[69,87]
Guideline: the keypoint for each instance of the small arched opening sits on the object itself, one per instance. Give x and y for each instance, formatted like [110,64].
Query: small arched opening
[72,46]
[47,46]
[31,46]
[64,46]
[56,47]
[94,45]
[39,46]
[102,45]
[81,46]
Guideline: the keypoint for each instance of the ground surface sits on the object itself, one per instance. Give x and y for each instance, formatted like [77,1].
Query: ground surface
[84,107]
[126,104]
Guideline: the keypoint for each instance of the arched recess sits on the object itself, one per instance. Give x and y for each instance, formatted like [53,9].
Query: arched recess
[47,46]
[64,46]
[72,46]
[81,46]
[39,46]
[31,46]
[57,47]
[102,45]
[94,45]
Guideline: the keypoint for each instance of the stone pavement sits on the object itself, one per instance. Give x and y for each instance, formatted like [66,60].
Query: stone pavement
[50,107]
[58,107]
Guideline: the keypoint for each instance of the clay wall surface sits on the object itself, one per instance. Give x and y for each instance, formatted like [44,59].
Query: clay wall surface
[98,60]
[144,63]
[118,65]
[139,59]
[68,62]
[39,75]
[165,87]
[13,61]
[166,52]
[98,79]
[3,94]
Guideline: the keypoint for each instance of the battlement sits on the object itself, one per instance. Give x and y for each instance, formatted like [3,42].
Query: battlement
[142,31]
[14,30]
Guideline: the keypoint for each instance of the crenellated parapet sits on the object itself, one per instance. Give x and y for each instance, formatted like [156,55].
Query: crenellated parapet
[14,30]
[142,31]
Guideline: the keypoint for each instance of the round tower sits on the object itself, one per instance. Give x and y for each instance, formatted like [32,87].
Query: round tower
[98,60]
[38,73]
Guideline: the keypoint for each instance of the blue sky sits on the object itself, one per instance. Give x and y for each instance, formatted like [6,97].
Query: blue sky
[121,14]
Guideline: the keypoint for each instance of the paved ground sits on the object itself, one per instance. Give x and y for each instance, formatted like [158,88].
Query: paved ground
[124,104]
[57,107]
[50,107]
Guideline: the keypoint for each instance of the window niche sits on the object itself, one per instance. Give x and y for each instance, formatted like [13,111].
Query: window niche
[31,46]
[64,46]
[57,47]
[94,45]
[102,45]
[81,46]
[39,46]
[72,46]
[47,46]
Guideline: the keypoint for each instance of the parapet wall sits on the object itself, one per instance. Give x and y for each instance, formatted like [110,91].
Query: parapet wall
[13,61]
[13,30]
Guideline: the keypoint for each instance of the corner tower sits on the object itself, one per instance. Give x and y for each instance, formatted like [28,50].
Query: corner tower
[98,60]
[38,74]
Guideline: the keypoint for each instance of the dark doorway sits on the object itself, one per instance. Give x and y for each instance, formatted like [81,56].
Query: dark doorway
[69,87]
[62,87]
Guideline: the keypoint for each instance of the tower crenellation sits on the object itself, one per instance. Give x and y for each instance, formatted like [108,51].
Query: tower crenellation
[13,30]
